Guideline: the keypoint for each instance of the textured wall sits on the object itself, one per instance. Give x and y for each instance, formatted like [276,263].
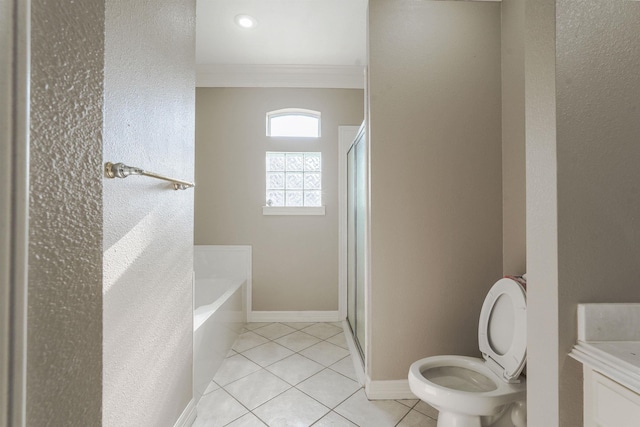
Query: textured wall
[598,100]
[64,384]
[594,61]
[148,227]
[436,178]
[513,139]
[295,258]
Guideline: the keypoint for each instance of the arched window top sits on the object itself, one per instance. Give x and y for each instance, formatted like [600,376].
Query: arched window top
[293,122]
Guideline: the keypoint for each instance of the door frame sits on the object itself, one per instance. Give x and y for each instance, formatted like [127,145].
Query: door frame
[14,205]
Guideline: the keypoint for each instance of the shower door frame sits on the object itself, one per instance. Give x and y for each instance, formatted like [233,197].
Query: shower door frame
[347,136]
[14,191]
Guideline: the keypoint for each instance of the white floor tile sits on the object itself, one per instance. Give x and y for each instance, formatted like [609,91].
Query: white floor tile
[211,387]
[376,413]
[408,402]
[248,420]
[267,354]
[291,408]
[322,330]
[297,325]
[416,419]
[248,340]
[234,368]
[275,330]
[328,387]
[257,388]
[268,359]
[325,353]
[218,409]
[334,420]
[295,368]
[256,325]
[345,367]
[426,409]
[297,341]
[339,340]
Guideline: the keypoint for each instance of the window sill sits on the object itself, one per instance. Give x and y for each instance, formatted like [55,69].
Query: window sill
[289,210]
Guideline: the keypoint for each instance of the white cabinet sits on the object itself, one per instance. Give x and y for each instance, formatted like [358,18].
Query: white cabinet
[607,403]
[609,349]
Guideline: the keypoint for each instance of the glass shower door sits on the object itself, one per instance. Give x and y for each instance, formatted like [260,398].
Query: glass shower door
[351,240]
[356,205]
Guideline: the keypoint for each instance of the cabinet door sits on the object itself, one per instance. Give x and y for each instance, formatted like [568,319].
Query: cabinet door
[609,404]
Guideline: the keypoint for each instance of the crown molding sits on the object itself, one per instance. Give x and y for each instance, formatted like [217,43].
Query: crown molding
[299,76]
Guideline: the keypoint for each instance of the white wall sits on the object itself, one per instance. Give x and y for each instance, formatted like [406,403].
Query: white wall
[583,123]
[295,258]
[436,177]
[100,247]
[64,366]
[148,227]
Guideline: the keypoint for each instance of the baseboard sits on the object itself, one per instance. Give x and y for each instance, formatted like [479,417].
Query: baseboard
[293,316]
[388,390]
[188,416]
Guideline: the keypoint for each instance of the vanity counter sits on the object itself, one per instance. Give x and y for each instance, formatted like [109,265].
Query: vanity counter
[609,349]
[618,360]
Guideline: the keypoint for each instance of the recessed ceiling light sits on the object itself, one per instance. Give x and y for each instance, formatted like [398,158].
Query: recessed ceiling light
[246,21]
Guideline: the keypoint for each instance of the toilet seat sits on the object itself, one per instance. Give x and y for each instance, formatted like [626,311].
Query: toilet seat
[502,329]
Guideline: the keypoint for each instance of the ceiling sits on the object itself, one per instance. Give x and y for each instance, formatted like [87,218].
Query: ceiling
[293,39]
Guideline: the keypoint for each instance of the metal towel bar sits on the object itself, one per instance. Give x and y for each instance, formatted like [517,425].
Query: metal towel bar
[120,170]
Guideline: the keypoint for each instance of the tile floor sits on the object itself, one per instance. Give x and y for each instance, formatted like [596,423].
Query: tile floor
[298,374]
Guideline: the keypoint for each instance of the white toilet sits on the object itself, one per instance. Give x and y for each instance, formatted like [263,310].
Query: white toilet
[473,392]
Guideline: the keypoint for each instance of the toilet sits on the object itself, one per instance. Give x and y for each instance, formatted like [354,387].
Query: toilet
[474,392]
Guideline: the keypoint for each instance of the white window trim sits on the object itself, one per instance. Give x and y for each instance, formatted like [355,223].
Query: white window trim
[297,112]
[293,210]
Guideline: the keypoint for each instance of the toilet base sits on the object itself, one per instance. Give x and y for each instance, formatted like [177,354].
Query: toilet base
[451,419]
[513,415]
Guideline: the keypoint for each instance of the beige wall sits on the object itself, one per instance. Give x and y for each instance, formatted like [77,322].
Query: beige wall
[148,227]
[513,139]
[592,133]
[295,258]
[64,360]
[436,191]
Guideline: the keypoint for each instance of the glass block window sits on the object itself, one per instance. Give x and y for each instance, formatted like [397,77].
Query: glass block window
[294,179]
[294,122]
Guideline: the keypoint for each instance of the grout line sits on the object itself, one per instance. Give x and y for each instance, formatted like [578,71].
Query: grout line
[405,416]
[338,404]
[233,397]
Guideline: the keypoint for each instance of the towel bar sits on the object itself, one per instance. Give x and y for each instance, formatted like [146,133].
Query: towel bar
[120,170]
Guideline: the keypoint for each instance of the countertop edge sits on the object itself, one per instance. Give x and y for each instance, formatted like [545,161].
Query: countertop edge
[608,365]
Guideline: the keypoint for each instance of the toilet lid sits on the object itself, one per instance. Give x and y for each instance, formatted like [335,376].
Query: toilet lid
[502,330]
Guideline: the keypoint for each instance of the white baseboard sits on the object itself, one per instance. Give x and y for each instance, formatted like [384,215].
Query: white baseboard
[388,390]
[188,416]
[293,316]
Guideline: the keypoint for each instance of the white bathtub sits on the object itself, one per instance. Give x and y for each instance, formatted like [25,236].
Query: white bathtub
[222,274]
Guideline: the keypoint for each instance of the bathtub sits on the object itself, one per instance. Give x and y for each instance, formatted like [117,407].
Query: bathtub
[222,275]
